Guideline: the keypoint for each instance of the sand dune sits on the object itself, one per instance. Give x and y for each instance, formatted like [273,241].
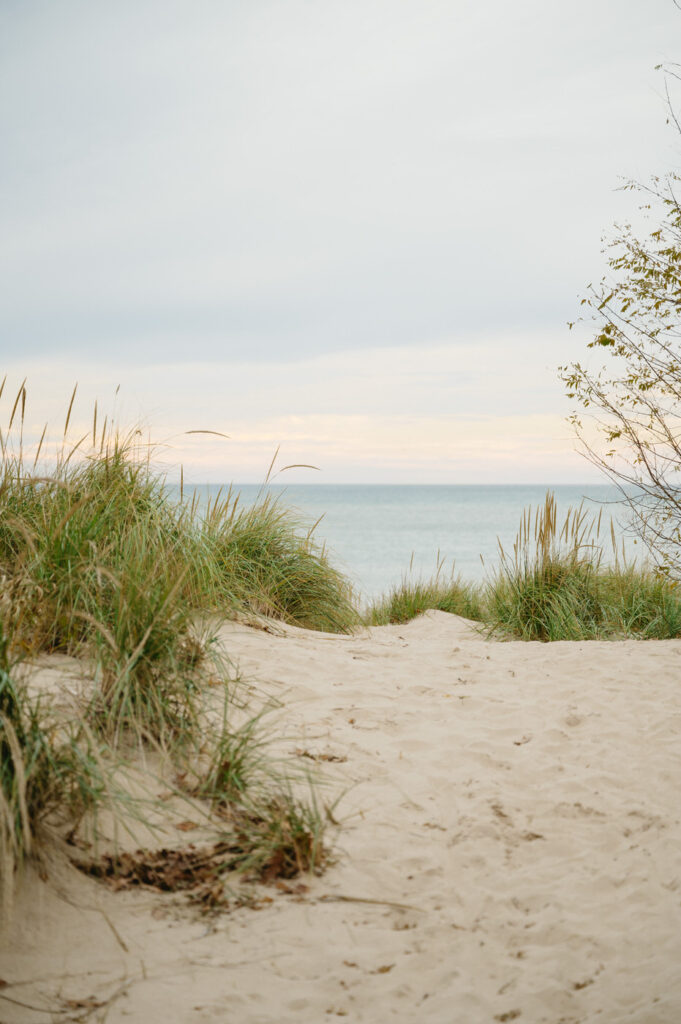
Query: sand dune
[511,850]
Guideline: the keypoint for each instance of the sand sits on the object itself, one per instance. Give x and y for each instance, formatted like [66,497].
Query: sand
[511,850]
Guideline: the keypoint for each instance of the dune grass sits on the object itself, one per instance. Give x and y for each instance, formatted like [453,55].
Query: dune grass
[564,601]
[278,832]
[98,562]
[548,587]
[412,598]
[263,559]
[554,584]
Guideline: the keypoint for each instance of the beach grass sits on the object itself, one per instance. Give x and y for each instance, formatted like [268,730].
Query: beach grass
[568,580]
[263,559]
[562,579]
[99,562]
[413,597]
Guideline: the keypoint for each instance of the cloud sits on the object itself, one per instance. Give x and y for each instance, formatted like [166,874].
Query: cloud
[364,217]
[263,178]
[412,412]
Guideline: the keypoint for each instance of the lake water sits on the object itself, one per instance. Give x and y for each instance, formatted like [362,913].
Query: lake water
[374,532]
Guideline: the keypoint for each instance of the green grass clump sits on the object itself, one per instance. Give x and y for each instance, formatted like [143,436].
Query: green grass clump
[555,585]
[272,831]
[640,602]
[409,599]
[94,566]
[236,763]
[281,837]
[264,561]
[278,834]
[547,589]
[97,561]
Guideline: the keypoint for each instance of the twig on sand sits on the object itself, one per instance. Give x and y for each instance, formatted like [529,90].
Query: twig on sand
[340,898]
[31,1006]
[86,1006]
[98,910]
[113,928]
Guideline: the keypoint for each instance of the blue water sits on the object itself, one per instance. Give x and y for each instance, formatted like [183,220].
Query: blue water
[374,532]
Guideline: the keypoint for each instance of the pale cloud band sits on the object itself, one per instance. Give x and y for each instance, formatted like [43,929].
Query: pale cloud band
[405,414]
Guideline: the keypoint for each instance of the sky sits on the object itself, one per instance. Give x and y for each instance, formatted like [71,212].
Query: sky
[351,229]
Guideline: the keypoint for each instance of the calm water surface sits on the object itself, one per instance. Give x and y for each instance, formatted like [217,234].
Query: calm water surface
[374,532]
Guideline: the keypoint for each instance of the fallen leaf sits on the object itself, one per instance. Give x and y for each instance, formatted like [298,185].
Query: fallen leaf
[321,757]
[582,984]
[294,890]
[499,811]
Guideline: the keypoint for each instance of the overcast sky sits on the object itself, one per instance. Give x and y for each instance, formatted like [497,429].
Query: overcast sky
[355,228]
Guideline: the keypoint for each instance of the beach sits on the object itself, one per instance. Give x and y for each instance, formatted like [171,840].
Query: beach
[509,848]
[340,513]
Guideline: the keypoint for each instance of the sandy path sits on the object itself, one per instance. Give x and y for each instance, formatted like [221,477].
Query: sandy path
[521,801]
